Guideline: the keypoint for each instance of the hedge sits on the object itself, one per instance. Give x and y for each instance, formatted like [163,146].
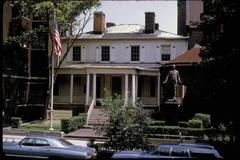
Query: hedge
[205,118]
[158,123]
[74,123]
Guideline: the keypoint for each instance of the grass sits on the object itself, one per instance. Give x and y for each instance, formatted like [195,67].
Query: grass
[41,126]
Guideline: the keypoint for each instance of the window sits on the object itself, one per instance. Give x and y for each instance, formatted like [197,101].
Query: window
[179,152]
[135,53]
[76,54]
[165,52]
[105,53]
[41,142]
[153,87]
[164,151]
[27,142]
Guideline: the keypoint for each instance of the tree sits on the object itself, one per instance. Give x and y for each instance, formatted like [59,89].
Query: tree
[220,56]
[72,17]
[126,125]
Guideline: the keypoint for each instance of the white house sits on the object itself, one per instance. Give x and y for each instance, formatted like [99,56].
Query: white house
[122,59]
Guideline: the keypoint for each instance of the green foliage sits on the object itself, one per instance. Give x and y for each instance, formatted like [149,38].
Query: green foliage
[158,123]
[15,122]
[195,123]
[183,124]
[127,124]
[73,123]
[204,118]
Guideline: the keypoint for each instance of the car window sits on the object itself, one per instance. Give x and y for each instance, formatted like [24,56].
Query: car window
[179,152]
[27,142]
[41,142]
[202,155]
[162,151]
[64,142]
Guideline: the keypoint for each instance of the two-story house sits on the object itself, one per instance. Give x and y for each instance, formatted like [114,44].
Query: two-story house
[122,59]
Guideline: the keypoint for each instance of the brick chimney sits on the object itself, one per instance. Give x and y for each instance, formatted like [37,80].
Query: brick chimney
[149,22]
[99,22]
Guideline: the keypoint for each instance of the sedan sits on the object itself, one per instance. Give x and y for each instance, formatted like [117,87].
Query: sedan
[42,147]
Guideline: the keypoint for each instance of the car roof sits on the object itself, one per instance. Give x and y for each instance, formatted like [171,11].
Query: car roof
[44,137]
[198,145]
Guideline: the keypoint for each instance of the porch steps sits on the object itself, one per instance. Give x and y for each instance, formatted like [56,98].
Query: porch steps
[97,117]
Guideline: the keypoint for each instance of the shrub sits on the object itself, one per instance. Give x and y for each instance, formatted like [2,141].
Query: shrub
[205,118]
[127,124]
[72,124]
[183,124]
[15,121]
[195,123]
[158,123]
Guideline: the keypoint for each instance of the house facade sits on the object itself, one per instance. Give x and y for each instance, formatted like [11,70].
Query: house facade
[120,59]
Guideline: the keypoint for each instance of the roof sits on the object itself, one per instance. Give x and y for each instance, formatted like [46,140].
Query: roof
[129,31]
[141,66]
[191,56]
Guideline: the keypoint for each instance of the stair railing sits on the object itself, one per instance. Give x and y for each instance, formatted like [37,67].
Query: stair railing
[90,110]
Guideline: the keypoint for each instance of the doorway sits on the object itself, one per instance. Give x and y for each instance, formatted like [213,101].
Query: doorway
[116,85]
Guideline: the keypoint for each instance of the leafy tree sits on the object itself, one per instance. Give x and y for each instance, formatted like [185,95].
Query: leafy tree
[126,125]
[220,56]
[72,16]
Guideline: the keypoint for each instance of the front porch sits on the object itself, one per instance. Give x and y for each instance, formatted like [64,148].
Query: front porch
[82,86]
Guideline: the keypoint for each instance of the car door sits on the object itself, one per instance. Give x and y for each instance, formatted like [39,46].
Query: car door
[41,148]
[24,148]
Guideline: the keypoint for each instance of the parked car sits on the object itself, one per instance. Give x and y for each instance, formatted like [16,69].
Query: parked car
[47,148]
[173,151]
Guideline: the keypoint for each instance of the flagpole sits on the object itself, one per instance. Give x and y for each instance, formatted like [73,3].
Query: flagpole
[52,84]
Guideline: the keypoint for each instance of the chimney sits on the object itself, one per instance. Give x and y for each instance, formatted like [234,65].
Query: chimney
[99,23]
[149,22]
[110,24]
[156,26]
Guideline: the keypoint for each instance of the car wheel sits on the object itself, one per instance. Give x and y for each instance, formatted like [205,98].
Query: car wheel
[55,158]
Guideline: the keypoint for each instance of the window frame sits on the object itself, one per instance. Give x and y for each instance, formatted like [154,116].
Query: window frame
[165,53]
[76,55]
[105,56]
[135,53]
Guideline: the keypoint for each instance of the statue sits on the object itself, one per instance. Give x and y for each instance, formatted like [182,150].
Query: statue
[172,80]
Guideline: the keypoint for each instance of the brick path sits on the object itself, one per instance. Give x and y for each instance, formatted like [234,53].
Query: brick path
[86,133]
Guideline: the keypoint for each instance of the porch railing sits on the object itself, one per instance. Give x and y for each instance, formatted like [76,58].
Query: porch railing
[90,110]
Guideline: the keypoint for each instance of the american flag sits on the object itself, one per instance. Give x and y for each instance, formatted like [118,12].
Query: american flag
[56,40]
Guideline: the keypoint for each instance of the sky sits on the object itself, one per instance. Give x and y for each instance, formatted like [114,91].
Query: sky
[132,12]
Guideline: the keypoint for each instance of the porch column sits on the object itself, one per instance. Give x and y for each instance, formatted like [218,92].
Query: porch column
[71,89]
[133,89]
[87,89]
[136,92]
[126,89]
[158,91]
[94,87]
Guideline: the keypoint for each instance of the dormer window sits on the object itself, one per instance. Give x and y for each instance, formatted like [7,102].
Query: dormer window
[76,56]
[105,53]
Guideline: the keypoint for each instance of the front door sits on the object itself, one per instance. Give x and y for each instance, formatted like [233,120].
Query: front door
[116,85]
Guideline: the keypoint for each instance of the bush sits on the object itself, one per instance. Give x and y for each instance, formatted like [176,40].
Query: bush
[15,121]
[205,118]
[195,123]
[183,124]
[72,124]
[158,123]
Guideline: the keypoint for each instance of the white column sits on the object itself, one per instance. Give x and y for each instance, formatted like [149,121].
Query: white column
[71,89]
[126,89]
[94,87]
[133,89]
[136,91]
[158,91]
[87,89]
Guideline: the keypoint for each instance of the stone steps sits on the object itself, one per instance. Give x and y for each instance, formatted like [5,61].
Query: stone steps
[98,117]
